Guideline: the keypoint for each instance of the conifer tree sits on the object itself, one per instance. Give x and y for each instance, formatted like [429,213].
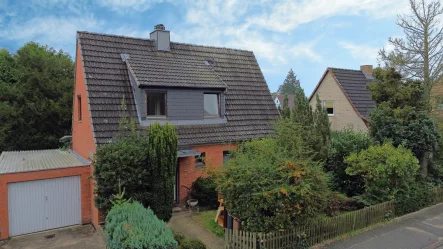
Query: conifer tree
[285,111]
[290,85]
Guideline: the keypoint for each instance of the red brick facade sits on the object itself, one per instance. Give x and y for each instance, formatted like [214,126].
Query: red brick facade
[187,171]
[83,172]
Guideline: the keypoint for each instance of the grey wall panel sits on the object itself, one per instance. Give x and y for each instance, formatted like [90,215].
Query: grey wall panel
[35,206]
[185,104]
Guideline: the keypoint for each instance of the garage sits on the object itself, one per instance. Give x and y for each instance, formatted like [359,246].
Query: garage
[43,190]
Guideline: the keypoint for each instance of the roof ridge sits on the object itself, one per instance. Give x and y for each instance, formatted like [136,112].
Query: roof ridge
[179,43]
[347,69]
[17,151]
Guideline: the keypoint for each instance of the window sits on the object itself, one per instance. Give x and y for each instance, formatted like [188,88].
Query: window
[156,104]
[227,155]
[79,106]
[329,106]
[200,160]
[212,105]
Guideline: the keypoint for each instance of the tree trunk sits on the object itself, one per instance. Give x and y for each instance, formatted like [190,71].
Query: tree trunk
[424,162]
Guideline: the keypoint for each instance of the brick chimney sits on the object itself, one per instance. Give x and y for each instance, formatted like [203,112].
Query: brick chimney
[161,38]
[367,70]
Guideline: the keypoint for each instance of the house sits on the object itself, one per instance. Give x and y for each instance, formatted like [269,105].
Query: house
[344,95]
[216,97]
[279,100]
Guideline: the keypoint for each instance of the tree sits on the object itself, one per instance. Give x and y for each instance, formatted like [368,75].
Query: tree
[163,145]
[385,170]
[323,130]
[420,54]
[290,86]
[36,86]
[400,115]
[285,110]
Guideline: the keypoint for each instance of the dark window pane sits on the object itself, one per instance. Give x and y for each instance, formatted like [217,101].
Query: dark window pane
[211,104]
[156,104]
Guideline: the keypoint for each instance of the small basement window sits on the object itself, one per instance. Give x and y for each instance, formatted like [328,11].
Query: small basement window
[212,105]
[79,106]
[156,104]
[329,106]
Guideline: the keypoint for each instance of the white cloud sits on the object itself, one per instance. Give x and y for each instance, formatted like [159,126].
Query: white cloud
[52,30]
[360,51]
[124,6]
[289,14]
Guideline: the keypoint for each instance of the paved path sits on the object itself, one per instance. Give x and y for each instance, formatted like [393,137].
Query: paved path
[76,237]
[184,223]
[422,229]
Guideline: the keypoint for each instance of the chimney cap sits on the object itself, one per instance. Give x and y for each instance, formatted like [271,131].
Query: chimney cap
[159,27]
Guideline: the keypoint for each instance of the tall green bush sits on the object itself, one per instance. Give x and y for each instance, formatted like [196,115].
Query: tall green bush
[204,190]
[385,170]
[343,143]
[131,226]
[268,189]
[163,145]
[142,165]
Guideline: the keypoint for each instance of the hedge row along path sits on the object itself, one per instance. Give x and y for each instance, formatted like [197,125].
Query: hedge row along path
[183,223]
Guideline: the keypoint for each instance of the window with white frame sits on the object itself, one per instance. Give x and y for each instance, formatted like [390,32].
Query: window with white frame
[212,104]
[156,104]
[329,107]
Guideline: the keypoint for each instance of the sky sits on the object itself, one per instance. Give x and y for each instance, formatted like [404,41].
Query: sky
[305,35]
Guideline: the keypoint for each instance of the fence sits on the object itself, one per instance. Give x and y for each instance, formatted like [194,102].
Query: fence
[316,232]
[313,233]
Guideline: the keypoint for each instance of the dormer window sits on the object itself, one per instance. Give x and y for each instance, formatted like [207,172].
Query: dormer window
[212,104]
[156,104]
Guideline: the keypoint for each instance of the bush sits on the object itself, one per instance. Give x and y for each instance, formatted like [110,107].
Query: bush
[385,170]
[179,237]
[204,190]
[416,197]
[338,203]
[143,166]
[343,143]
[190,243]
[132,226]
[268,189]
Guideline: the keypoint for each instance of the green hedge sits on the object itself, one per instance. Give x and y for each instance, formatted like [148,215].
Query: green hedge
[190,243]
[131,226]
[204,190]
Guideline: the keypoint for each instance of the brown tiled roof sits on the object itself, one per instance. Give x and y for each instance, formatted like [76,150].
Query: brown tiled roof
[354,84]
[249,105]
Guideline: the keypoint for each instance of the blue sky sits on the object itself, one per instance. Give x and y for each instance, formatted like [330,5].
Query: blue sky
[306,35]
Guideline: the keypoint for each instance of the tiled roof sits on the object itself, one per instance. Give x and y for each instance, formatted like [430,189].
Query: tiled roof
[34,160]
[249,105]
[354,84]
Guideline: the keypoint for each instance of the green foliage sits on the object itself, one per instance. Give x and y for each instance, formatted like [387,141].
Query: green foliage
[36,86]
[130,225]
[343,143]
[163,146]
[385,170]
[285,111]
[290,86]
[123,161]
[338,203]
[271,186]
[417,196]
[204,190]
[401,114]
[191,243]
[322,127]
[179,237]
[144,166]
[119,199]
[207,219]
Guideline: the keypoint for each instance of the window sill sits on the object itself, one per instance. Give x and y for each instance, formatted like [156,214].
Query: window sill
[330,115]
[156,117]
[211,117]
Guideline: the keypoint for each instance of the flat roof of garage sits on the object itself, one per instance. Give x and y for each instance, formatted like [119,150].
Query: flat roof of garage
[35,160]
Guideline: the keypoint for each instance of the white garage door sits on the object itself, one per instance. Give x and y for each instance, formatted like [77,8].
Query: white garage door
[35,206]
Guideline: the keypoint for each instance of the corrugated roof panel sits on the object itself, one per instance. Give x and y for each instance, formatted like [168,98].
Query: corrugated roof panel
[35,160]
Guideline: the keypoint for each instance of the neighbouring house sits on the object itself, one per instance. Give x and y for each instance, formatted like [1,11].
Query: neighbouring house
[344,95]
[216,97]
[279,100]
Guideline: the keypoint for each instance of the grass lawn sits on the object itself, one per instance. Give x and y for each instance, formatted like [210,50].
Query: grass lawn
[206,219]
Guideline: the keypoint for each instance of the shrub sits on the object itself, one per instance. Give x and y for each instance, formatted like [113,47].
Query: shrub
[143,166]
[385,170]
[338,203]
[417,196]
[343,143]
[179,237]
[268,189]
[190,243]
[132,226]
[204,190]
